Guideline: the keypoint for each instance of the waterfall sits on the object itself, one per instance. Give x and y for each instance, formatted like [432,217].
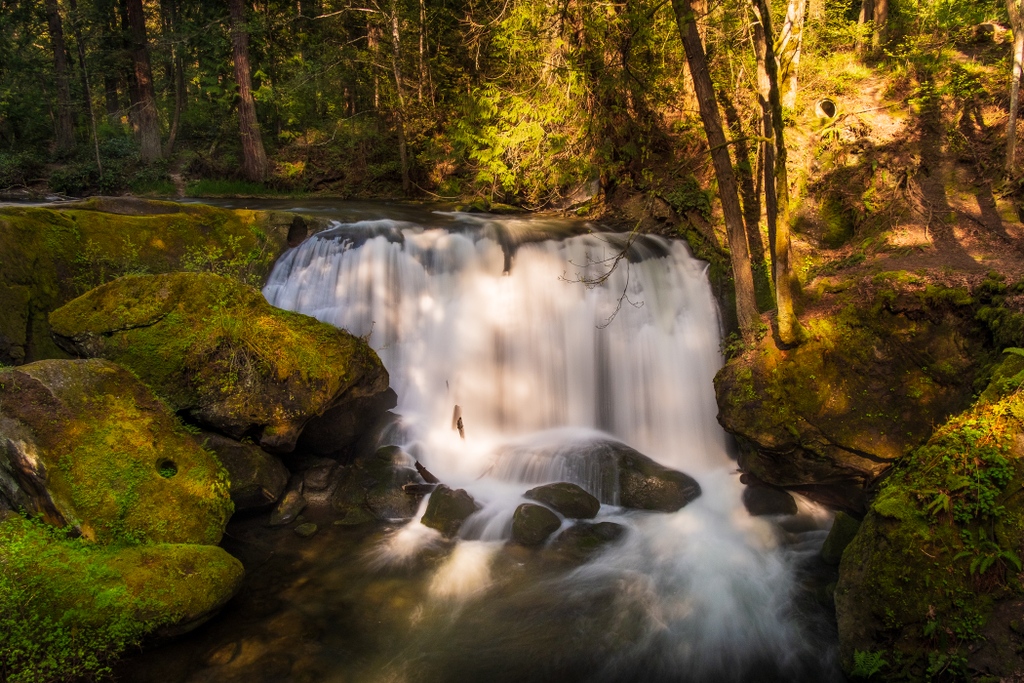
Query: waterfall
[545,347]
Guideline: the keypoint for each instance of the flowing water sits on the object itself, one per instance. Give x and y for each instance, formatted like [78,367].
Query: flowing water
[549,344]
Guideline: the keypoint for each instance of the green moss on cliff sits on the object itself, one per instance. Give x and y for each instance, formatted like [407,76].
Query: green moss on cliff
[67,607]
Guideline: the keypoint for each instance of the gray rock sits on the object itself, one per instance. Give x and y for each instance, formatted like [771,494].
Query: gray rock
[289,508]
[768,500]
[646,485]
[448,509]
[532,524]
[844,528]
[567,499]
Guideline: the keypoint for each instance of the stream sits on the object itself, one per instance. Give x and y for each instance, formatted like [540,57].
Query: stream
[551,337]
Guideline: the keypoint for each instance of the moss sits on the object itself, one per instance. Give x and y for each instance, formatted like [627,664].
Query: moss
[101,440]
[53,255]
[67,607]
[216,349]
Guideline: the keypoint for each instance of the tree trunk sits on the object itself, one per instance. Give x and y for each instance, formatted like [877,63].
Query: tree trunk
[396,56]
[1016,12]
[177,76]
[790,331]
[146,117]
[746,306]
[867,13]
[76,30]
[65,122]
[764,87]
[423,49]
[254,158]
[789,50]
[880,36]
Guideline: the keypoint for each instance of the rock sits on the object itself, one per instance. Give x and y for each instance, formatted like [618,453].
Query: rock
[85,444]
[318,478]
[306,530]
[569,500]
[374,486]
[829,417]
[257,479]
[767,500]
[583,539]
[52,254]
[289,508]
[339,428]
[646,485]
[216,350]
[844,528]
[532,524]
[448,509]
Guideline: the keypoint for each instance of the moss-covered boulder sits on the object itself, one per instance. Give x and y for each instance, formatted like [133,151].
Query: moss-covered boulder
[647,485]
[257,478]
[52,254]
[844,529]
[569,500]
[68,606]
[885,361]
[931,583]
[215,350]
[448,509]
[85,444]
[533,524]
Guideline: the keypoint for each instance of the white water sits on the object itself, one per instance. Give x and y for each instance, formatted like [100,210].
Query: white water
[540,364]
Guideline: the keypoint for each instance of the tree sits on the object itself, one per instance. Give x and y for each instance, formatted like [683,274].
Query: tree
[145,116]
[254,157]
[1015,8]
[746,306]
[65,120]
[790,44]
[777,176]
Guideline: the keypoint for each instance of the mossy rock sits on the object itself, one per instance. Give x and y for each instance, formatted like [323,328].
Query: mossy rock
[584,539]
[844,529]
[448,509]
[371,488]
[569,500]
[215,350]
[257,478]
[68,606]
[932,578]
[829,417]
[533,524]
[647,485]
[85,444]
[52,254]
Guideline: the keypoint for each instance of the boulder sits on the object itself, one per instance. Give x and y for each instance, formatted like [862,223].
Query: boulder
[54,253]
[289,508]
[85,444]
[448,509]
[569,500]
[257,479]
[828,418]
[763,500]
[339,428]
[844,528]
[646,485]
[583,539]
[371,488]
[532,524]
[214,349]
[101,598]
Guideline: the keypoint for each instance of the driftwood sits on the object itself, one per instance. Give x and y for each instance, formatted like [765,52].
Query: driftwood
[418,489]
[425,473]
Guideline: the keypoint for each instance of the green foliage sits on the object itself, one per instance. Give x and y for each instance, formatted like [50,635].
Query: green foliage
[19,169]
[984,552]
[230,259]
[688,196]
[867,664]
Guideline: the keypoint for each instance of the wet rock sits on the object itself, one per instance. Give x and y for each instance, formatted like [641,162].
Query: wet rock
[85,444]
[340,427]
[216,350]
[647,485]
[318,477]
[567,499]
[448,509]
[373,487]
[257,478]
[289,508]
[306,530]
[532,524]
[844,528]
[585,538]
[761,500]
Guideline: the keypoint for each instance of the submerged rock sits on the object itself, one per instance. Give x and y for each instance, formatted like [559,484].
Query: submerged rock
[844,528]
[85,444]
[288,510]
[583,539]
[371,488]
[567,499]
[532,524]
[760,499]
[216,350]
[306,529]
[257,479]
[448,509]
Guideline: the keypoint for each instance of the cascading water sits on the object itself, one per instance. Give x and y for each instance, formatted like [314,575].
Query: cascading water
[548,350]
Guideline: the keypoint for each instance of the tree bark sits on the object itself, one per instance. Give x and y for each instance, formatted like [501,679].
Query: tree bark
[65,123]
[880,36]
[867,13]
[76,30]
[146,118]
[746,306]
[1016,11]
[177,74]
[396,56]
[790,332]
[254,157]
[789,51]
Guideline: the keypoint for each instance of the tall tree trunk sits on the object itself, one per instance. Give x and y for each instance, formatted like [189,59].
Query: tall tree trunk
[790,331]
[746,306]
[1016,11]
[65,119]
[880,36]
[177,74]
[396,57]
[76,30]
[254,158]
[789,50]
[146,116]
[867,13]
[423,48]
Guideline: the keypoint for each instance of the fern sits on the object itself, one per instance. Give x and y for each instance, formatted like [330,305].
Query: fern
[867,664]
